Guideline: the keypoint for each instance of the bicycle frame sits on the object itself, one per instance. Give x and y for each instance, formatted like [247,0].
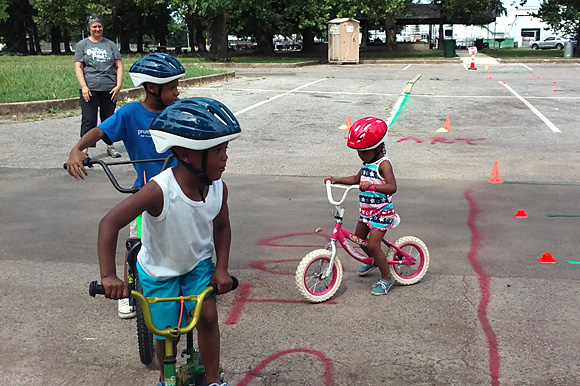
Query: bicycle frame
[343,236]
[171,334]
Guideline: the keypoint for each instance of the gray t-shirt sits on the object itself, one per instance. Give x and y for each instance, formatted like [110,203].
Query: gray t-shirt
[99,63]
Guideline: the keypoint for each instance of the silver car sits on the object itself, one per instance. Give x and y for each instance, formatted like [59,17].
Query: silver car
[550,42]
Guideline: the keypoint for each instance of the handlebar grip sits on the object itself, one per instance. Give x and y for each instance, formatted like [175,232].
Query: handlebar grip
[86,162]
[96,289]
[235,284]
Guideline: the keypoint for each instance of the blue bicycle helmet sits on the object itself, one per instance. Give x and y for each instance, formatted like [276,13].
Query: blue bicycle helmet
[197,124]
[194,123]
[158,68]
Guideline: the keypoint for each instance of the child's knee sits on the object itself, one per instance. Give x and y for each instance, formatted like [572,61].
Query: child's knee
[208,318]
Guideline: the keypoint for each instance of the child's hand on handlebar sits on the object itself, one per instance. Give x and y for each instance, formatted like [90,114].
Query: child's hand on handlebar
[329,178]
[114,287]
[74,164]
[223,280]
[364,185]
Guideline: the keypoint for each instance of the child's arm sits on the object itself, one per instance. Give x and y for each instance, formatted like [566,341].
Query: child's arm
[222,236]
[149,198]
[74,164]
[351,180]
[390,185]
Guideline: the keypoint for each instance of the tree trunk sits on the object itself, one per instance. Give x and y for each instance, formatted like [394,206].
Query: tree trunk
[199,36]
[55,40]
[34,34]
[307,40]
[66,40]
[364,29]
[218,50]
[440,41]
[125,44]
[264,39]
[577,49]
[390,34]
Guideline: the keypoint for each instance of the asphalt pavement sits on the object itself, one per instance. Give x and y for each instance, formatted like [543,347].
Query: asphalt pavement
[487,312]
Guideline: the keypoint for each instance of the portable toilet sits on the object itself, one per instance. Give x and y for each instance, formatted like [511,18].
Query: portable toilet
[343,41]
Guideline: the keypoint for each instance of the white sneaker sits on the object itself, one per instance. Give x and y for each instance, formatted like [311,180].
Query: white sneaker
[125,311]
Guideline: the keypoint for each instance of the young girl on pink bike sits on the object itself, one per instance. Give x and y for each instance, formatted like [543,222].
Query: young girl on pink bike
[377,184]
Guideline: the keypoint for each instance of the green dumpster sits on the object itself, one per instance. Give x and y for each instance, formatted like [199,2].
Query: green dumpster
[449,48]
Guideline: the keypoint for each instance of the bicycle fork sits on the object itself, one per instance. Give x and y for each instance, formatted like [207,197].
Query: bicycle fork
[328,271]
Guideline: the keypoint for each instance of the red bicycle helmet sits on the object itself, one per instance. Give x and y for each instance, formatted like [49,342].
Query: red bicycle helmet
[367,133]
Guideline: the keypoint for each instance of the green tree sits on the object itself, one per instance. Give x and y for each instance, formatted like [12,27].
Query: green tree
[562,16]
[18,28]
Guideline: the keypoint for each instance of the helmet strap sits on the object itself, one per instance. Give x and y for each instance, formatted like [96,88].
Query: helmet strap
[158,96]
[203,179]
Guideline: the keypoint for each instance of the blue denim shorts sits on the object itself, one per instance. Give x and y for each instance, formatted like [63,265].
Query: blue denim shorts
[166,314]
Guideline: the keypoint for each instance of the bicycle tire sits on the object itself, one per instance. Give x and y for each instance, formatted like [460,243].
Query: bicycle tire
[307,280]
[405,274]
[144,336]
[199,379]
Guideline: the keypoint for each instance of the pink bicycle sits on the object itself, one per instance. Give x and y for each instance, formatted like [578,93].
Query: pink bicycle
[319,273]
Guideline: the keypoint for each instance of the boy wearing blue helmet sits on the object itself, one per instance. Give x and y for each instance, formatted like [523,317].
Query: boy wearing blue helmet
[159,74]
[184,208]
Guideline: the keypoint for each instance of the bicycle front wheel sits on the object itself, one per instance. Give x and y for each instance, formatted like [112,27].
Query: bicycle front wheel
[311,283]
[409,274]
[144,336]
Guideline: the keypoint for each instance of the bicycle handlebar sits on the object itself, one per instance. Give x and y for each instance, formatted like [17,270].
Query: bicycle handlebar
[90,162]
[347,188]
[97,289]
[168,332]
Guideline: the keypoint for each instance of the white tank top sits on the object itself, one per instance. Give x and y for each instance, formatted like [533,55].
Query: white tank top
[174,242]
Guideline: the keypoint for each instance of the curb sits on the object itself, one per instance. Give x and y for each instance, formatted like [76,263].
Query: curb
[37,107]
[550,61]
[257,65]
[411,61]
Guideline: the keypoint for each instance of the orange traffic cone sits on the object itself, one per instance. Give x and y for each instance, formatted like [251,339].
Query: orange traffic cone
[520,214]
[447,124]
[495,177]
[348,123]
[547,258]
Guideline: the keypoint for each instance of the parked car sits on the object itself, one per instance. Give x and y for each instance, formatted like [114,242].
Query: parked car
[556,42]
[574,41]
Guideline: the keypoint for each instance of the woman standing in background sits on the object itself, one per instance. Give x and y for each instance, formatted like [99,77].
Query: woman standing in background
[99,71]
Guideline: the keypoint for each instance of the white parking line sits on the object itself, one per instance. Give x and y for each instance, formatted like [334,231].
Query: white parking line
[404,69]
[523,65]
[381,93]
[276,97]
[535,110]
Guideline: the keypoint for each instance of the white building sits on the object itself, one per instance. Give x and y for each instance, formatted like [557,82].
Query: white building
[516,28]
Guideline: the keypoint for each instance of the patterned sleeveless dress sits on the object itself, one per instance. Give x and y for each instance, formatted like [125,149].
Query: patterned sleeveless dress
[376,209]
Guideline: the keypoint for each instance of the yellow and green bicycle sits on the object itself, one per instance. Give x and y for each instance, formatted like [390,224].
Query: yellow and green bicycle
[192,373]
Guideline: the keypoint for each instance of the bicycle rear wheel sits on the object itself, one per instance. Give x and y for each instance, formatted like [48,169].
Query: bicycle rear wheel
[409,274]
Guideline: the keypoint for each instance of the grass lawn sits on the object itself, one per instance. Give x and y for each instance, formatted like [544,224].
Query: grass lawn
[34,78]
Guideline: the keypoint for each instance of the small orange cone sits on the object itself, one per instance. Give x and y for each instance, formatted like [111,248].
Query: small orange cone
[495,177]
[348,123]
[547,258]
[520,214]
[447,124]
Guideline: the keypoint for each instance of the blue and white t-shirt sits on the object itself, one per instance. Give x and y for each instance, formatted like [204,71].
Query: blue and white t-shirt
[130,124]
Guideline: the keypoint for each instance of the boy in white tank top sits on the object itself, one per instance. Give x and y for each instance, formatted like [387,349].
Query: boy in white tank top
[183,208]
